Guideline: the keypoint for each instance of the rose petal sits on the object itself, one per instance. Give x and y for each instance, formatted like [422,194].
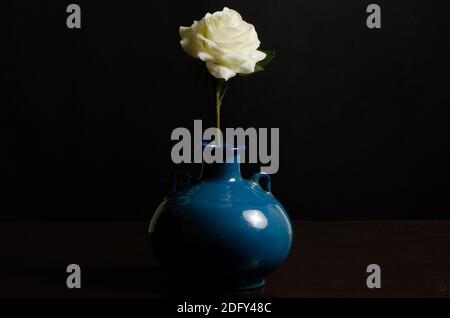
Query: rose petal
[206,57]
[258,56]
[188,40]
[219,71]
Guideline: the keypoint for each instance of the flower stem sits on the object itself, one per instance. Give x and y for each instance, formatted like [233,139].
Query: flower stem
[218,105]
[221,89]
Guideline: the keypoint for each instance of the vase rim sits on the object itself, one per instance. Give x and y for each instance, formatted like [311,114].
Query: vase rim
[225,146]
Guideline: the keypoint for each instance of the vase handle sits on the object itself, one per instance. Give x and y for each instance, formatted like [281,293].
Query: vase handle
[263,180]
[178,181]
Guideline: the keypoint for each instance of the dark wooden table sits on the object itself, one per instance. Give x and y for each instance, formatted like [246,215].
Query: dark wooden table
[328,259]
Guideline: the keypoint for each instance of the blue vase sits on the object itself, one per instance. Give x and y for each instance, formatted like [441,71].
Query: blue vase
[222,230]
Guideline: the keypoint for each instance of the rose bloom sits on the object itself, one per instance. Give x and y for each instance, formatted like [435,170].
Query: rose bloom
[226,43]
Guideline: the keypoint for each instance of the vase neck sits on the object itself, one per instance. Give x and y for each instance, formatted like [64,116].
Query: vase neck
[227,171]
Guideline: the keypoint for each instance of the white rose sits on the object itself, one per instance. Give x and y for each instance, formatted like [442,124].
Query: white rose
[227,44]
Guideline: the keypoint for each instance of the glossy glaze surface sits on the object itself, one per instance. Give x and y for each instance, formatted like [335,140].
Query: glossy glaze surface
[223,229]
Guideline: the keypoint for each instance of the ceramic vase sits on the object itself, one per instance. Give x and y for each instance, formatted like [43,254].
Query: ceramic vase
[221,230]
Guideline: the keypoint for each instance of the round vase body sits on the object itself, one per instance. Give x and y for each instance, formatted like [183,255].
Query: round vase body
[222,230]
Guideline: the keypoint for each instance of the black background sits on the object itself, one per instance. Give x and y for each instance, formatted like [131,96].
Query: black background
[86,115]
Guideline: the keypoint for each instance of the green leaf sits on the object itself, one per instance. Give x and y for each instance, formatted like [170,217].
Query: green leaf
[258,68]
